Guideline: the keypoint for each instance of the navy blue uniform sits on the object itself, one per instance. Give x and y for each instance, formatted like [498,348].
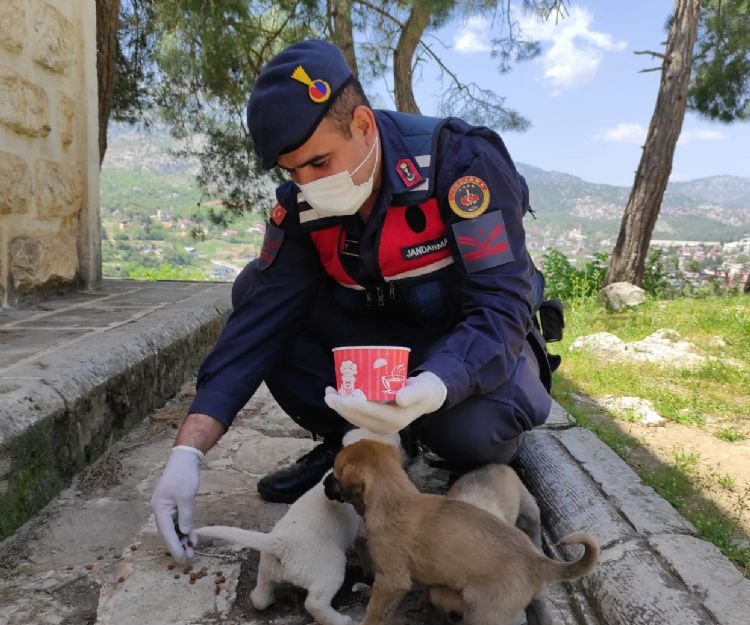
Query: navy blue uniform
[465,308]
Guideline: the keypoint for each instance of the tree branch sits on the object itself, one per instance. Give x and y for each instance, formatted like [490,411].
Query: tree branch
[654,55]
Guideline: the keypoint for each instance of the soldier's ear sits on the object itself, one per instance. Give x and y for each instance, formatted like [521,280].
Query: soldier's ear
[363,123]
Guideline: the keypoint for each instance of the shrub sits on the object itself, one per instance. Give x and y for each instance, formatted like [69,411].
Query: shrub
[565,282]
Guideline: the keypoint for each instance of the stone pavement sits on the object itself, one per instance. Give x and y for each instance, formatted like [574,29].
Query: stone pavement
[92,555]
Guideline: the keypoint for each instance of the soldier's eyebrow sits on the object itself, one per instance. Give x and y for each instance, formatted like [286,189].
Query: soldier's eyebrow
[309,161]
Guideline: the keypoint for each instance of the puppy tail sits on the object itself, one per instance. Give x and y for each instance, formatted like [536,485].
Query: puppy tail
[584,565]
[240,538]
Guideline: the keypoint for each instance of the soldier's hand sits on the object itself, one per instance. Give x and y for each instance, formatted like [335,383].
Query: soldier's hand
[175,494]
[420,395]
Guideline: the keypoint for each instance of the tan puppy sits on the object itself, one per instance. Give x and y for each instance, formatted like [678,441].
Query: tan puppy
[436,541]
[497,489]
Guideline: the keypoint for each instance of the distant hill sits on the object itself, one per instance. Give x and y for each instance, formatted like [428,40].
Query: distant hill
[706,209]
[713,208]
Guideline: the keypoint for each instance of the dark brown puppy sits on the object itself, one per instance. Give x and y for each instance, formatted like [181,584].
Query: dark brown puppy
[435,541]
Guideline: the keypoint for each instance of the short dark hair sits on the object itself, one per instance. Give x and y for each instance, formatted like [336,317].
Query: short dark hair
[342,108]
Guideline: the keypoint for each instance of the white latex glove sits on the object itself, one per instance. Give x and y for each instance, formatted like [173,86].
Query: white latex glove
[420,395]
[175,491]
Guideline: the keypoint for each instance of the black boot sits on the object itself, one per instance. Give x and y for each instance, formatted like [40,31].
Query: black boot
[290,483]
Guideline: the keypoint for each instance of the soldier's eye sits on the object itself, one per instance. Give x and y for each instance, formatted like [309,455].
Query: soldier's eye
[319,164]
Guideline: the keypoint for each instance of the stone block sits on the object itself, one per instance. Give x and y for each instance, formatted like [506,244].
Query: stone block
[724,592]
[58,190]
[639,504]
[15,184]
[3,255]
[630,587]
[66,118]
[558,419]
[568,499]
[23,105]
[12,25]
[39,258]
[52,39]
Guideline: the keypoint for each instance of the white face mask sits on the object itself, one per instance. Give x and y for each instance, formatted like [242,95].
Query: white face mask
[337,195]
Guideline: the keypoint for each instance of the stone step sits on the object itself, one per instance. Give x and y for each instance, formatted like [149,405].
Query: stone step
[78,371]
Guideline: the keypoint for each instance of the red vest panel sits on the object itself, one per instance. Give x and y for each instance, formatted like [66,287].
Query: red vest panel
[403,253]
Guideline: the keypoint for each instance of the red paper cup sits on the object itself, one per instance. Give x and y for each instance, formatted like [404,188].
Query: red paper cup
[372,372]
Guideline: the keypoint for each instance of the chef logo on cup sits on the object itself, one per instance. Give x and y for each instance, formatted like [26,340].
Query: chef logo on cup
[349,388]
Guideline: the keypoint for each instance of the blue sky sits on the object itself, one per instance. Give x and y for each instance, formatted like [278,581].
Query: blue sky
[588,105]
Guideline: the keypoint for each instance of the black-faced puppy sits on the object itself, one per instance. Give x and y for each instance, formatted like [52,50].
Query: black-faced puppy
[436,541]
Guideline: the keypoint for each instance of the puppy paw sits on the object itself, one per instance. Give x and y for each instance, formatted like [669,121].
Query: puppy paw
[261,600]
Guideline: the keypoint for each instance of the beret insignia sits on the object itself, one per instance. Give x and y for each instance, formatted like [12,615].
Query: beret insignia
[318,90]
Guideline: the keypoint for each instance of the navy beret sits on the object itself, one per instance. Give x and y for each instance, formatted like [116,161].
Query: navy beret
[292,94]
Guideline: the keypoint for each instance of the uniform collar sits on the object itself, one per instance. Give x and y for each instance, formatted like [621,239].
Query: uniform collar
[401,170]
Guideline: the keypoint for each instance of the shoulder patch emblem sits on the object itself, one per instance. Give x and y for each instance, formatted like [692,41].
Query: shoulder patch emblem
[271,246]
[469,197]
[277,214]
[483,243]
[408,173]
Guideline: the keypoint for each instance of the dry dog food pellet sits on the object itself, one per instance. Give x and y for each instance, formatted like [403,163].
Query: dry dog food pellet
[100,557]
[69,567]
[187,569]
[219,573]
[221,580]
[89,567]
[217,590]
[170,567]
[120,579]
[133,547]
[177,577]
[193,577]
[192,581]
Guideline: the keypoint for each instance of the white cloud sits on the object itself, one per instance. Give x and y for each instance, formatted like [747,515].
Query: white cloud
[473,36]
[623,133]
[701,135]
[635,133]
[576,51]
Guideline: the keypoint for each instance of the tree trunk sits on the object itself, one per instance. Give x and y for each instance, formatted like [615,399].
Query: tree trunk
[107,21]
[404,54]
[629,256]
[341,14]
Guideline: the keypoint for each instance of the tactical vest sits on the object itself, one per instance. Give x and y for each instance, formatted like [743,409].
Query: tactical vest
[415,262]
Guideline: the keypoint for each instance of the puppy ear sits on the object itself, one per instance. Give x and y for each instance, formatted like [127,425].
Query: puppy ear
[354,494]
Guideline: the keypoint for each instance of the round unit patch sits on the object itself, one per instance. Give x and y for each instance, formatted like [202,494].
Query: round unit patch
[469,197]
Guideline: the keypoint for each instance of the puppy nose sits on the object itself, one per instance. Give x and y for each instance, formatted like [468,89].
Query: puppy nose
[331,488]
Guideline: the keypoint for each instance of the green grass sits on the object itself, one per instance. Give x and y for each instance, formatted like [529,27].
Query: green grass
[714,392]
[730,435]
[717,389]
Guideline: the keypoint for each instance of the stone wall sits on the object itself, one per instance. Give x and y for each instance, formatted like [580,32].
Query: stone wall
[49,156]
